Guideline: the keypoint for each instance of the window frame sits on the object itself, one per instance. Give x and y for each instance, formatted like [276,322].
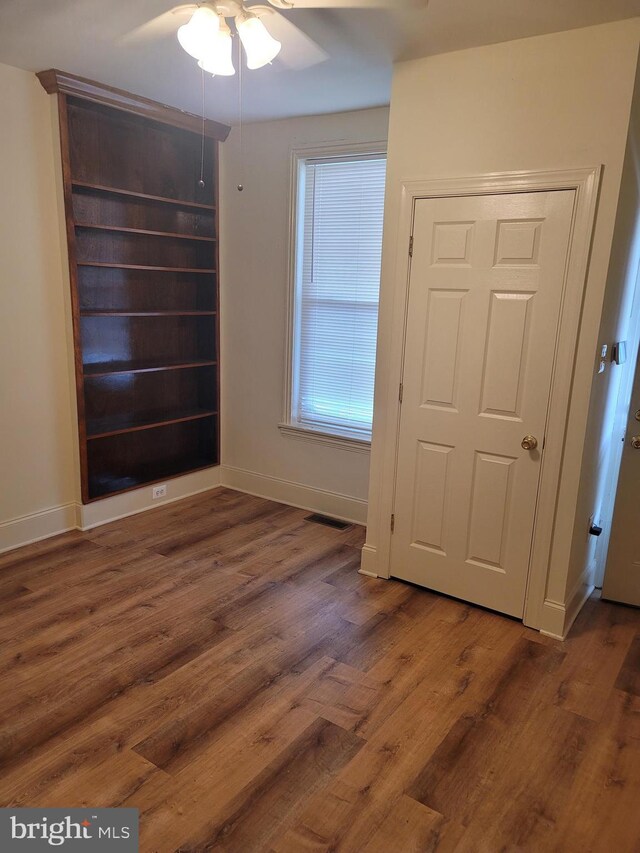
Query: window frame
[289,426]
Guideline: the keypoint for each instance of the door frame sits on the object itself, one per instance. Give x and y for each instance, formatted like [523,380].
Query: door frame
[585,182]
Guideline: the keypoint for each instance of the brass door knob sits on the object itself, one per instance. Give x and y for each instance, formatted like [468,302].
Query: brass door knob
[635,442]
[529,442]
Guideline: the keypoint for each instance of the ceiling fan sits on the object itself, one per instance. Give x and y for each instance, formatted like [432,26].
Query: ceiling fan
[265,33]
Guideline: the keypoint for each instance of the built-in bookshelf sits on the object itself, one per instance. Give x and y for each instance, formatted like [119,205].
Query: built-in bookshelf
[143,256]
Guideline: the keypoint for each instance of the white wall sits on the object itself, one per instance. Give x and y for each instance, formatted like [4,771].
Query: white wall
[40,492]
[37,461]
[547,103]
[254,275]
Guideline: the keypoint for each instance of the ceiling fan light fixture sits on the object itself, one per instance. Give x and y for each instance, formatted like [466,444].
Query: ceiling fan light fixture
[200,33]
[260,46]
[218,60]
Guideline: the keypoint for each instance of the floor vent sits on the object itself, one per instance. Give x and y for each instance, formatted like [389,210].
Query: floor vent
[316,518]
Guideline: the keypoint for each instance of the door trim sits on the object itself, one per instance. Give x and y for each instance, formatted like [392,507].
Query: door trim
[585,182]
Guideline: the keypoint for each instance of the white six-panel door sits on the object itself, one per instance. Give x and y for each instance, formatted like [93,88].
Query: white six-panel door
[484,304]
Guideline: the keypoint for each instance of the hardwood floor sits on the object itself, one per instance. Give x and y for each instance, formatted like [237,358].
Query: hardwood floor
[219,664]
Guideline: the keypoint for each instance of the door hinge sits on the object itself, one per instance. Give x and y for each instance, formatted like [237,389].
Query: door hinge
[393,523]
[400,392]
[411,246]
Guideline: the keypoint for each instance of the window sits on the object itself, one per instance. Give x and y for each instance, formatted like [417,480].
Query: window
[338,248]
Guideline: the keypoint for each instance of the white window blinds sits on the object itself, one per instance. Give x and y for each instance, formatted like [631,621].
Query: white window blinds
[340,210]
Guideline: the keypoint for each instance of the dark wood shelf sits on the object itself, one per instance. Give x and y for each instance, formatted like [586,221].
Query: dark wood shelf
[112,368]
[148,313]
[106,427]
[104,289]
[101,486]
[85,185]
[141,267]
[146,232]
[143,256]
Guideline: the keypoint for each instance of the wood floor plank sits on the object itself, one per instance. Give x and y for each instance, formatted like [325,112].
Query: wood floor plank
[604,636]
[420,829]
[629,676]
[173,811]
[45,558]
[97,783]
[344,696]
[364,792]
[173,744]
[274,797]
[455,779]
[219,664]
[521,808]
[603,813]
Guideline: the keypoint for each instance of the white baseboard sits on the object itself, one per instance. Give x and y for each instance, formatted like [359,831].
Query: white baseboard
[17,532]
[294,494]
[369,561]
[557,618]
[38,525]
[140,500]
[51,522]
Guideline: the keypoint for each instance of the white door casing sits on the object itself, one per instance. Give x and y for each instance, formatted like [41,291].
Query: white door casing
[622,575]
[484,308]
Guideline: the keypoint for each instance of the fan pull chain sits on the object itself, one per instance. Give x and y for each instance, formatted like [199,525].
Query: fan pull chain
[201,181]
[241,184]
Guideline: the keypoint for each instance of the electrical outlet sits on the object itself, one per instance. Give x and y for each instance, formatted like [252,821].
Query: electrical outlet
[160,491]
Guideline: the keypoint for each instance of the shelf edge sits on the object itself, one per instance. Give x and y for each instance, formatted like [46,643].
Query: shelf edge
[154,425]
[187,366]
[102,188]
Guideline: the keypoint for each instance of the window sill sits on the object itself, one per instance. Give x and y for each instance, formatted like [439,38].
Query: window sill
[345,442]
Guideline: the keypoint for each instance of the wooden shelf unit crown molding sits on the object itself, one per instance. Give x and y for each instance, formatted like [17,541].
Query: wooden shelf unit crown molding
[60,82]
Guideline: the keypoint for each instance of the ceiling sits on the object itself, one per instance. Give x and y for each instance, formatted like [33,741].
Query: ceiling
[89,38]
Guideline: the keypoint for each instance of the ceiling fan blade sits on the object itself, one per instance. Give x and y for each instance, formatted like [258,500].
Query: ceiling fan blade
[298,49]
[164,25]
[400,5]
